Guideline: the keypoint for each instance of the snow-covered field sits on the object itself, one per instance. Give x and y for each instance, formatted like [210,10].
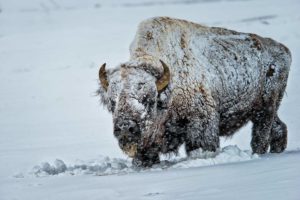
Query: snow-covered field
[56,141]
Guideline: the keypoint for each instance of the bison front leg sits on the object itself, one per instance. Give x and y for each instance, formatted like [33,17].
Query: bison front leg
[146,158]
[203,133]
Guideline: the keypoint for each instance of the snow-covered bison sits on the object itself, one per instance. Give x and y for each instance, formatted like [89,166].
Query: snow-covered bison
[189,84]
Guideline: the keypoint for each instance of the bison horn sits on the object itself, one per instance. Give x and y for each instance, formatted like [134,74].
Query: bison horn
[163,82]
[103,77]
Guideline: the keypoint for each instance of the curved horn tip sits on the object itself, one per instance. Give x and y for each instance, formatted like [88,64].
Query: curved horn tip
[103,77]
[165,66]
[103,66]
[163,82]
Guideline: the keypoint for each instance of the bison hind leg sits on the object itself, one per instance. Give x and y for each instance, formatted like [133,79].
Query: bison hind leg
[278,136]
[262,125]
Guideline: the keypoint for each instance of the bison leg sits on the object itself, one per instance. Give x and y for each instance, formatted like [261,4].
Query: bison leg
[261,131]
[204,134]
[278,136]
[279,130]
[146,158]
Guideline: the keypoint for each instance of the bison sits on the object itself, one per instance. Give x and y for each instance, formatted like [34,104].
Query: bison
[187,83]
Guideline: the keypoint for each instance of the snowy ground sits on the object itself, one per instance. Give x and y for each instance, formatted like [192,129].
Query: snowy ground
[50,52]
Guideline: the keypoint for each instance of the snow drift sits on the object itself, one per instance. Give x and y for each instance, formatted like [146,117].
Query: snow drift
[107,166]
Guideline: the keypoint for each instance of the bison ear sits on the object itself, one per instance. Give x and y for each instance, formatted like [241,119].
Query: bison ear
[103,77]
[163,82]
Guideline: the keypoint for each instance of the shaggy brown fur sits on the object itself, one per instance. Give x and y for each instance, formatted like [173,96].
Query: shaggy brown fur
[219,80]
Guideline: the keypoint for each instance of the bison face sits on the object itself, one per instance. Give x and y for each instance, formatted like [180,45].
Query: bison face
[130,94]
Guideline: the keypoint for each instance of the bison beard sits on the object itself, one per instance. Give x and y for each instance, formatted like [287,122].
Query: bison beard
[190,84]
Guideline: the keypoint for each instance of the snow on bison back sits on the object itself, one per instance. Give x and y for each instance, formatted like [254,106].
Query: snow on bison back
[189,84]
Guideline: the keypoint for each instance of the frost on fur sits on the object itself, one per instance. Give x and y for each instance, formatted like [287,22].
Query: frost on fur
[108,96]
[216,81]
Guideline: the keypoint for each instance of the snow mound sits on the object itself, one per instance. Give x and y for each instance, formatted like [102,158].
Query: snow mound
[228,154]
[107,166]
[99,166]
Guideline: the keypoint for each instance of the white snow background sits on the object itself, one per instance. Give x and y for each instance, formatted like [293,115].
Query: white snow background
[56,141]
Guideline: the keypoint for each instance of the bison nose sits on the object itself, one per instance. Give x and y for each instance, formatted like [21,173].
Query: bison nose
[128,126]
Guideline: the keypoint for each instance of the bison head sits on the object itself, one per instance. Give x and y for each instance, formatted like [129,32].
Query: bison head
[130,94]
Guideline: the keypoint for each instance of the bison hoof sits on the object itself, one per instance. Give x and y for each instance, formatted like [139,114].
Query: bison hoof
[278,146]
[260,149]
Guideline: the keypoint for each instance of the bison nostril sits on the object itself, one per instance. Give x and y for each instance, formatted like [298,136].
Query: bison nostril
[131,129]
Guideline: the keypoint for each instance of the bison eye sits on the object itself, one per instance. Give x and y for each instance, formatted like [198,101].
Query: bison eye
[140,86]
[144,100]
[147,101]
